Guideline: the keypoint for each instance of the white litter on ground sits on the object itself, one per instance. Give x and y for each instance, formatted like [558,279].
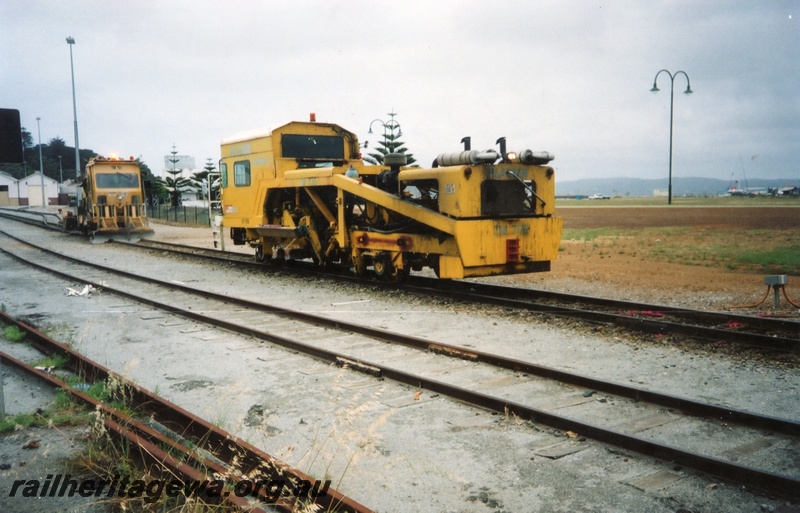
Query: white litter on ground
[86,292]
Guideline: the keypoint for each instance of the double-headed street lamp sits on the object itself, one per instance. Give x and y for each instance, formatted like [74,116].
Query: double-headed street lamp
[70,42]
[688,90]
[391,125]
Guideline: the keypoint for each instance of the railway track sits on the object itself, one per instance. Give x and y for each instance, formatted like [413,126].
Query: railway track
[181,443]
[368,352]
[713,327]
[762,332]
[46,220]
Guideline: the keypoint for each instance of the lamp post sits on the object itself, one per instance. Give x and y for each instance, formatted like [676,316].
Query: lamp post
[391,125]
[41,162]
[688,90]
[70,42]
[60,171]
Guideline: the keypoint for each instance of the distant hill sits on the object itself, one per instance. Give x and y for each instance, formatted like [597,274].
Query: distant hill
[681,186]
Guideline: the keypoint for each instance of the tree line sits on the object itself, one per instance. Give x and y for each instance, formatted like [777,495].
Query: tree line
[58,163]
[57,159]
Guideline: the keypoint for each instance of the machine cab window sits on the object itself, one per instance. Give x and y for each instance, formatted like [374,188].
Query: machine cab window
[223,172]
[241,173]
[117,180]
[312,147]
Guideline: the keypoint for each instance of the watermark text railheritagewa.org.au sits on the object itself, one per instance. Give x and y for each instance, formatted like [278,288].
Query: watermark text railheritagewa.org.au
[64,485]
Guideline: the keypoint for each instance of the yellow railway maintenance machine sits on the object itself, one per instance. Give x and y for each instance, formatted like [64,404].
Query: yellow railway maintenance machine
[302,191]
[111,202]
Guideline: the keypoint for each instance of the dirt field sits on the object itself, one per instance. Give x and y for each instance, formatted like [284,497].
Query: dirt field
[734,218]
[647,258]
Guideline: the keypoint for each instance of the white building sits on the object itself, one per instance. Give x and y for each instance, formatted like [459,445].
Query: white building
[30,190]
[9,192]
[186,165]
[183,163]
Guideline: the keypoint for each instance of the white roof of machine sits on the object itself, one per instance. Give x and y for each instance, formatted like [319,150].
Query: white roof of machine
[248,135]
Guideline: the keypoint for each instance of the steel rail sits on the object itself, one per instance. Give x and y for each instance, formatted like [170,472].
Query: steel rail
[500,291]
[140,435]
[770,482]
[524,299]
[504,296]
[7,214]
[499,294]
[727,414]
[223,445]
[637,323]
[490,290]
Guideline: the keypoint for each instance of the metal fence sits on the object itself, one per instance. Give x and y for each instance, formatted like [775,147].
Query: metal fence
[185,215]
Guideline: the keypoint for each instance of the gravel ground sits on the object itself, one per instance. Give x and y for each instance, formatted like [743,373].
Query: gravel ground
[376,442]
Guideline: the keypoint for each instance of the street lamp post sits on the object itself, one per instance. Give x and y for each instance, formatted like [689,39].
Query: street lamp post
[391,125]
[688,90]
[70,42]
[60,171]
[41,162]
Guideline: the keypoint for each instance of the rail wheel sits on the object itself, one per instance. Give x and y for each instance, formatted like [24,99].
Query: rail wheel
[260,257]
[383,266]
[387,271]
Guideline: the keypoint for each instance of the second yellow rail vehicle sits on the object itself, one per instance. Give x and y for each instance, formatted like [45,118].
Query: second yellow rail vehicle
[112,200]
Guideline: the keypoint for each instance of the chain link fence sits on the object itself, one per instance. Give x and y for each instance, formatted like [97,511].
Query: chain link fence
[195,216]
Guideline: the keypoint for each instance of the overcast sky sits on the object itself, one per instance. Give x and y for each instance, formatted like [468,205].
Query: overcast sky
[572,78]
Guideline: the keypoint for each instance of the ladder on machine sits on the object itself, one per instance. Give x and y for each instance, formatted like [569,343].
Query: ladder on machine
[217,234]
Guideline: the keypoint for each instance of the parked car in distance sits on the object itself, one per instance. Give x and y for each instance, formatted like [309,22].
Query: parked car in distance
[599,196]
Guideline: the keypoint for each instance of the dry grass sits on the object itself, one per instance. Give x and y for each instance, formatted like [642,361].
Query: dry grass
[756,251]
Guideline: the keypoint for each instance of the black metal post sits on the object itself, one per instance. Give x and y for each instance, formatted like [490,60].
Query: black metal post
[671,104]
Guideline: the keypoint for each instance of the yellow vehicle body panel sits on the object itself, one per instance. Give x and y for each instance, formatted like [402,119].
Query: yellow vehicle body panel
[243,204]
[478,247]
[460,186]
